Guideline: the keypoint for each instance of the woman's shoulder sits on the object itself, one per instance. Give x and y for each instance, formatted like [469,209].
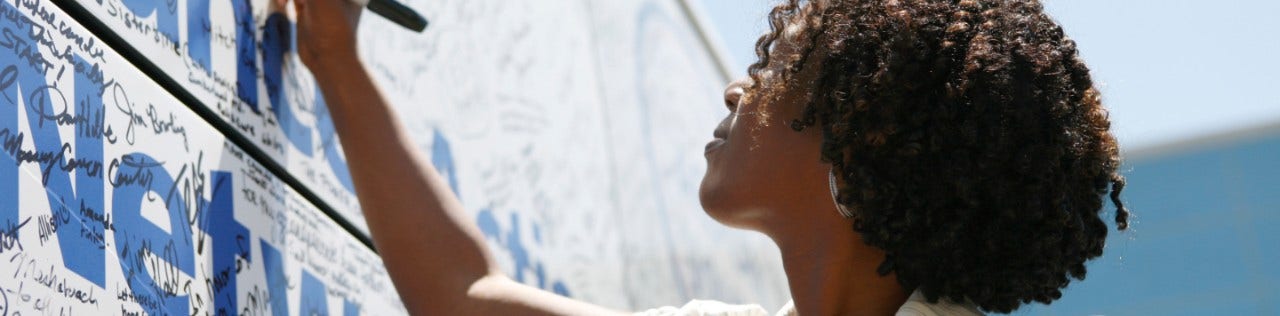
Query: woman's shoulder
[708,308]
[916,305]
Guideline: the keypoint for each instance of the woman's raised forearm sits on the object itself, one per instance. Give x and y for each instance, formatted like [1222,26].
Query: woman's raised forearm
[431,248]
[420,229]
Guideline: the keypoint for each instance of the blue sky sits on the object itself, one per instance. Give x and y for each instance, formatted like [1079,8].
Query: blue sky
[1169,70]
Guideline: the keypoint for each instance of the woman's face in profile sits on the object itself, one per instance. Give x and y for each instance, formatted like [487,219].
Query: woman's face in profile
[756,163]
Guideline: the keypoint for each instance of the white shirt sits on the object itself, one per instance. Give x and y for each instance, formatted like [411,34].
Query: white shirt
[916,305]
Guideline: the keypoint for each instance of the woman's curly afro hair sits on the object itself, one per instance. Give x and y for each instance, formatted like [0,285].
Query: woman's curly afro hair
[970,141]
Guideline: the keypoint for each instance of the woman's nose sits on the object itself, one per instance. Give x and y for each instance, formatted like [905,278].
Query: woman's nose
[734,92]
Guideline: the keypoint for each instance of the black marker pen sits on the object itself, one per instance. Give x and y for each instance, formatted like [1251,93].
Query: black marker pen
[396,12]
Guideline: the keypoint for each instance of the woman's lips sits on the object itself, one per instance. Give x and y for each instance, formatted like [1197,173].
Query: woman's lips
[713,144]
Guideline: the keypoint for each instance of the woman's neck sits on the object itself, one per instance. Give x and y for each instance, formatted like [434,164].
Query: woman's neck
[832,272]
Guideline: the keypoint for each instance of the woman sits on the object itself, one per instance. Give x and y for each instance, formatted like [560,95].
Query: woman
[927,157]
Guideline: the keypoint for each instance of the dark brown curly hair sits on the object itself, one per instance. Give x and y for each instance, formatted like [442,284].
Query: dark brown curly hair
[969,138]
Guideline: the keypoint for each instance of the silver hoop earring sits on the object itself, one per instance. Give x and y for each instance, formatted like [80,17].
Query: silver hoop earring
[835,193]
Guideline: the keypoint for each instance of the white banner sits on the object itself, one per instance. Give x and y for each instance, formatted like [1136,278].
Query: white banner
[115,198]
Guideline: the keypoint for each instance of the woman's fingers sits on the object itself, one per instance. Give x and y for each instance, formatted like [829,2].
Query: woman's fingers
[325,27]
[300,8]
[353,12]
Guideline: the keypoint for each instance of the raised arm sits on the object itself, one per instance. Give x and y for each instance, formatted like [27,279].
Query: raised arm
[434,253]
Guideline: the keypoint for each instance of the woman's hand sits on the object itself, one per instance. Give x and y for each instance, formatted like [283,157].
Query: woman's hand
[326,34]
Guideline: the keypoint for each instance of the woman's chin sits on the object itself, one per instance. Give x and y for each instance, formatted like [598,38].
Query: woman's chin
[709,196]
[717,204]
